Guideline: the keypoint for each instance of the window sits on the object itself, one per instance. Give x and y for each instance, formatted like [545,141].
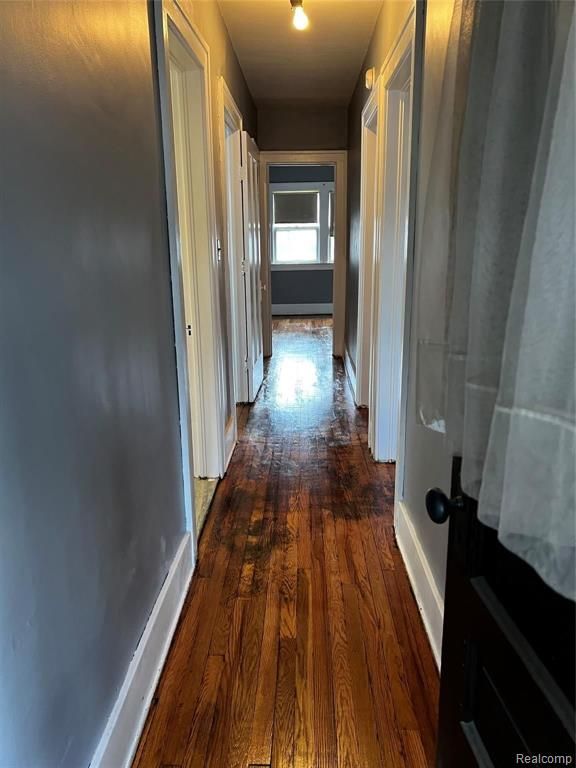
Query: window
[296,226]
[302,215]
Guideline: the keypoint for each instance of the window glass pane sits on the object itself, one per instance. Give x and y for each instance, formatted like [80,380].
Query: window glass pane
[296,207]
[331,226]
[295,246]
[331,250]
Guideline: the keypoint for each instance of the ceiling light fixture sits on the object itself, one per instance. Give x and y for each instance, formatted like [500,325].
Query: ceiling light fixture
[299,18]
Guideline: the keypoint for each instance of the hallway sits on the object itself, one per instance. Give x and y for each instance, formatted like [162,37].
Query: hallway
[300,643]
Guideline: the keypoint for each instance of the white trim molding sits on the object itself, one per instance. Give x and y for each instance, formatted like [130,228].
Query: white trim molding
[369,180]
[338,159]
[230,117]
[390,307]
[306,266]
[302,309]
[419,13]
[430,601]
[121,735]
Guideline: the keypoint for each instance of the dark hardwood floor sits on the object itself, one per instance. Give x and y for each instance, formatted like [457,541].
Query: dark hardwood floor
[300,644]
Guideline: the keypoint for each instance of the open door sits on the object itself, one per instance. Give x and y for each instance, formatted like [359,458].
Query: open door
[508,669]
[250,304]
[508,672]
[185,106]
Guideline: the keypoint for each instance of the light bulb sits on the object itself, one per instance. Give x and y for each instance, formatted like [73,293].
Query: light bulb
[300,20]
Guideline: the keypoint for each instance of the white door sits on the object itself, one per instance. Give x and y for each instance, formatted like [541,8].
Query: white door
[194,226]
[251,296]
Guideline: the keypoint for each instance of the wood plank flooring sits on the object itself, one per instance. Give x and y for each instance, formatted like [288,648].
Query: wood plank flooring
[300,644]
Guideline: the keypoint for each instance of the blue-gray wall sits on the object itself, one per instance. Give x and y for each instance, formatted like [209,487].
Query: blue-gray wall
[287,174]
[91,504]
[299,286]
[301,126]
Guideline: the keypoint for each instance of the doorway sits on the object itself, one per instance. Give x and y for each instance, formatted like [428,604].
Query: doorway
[242,251]
[251,298]
[385,185]
[230,123]
[368,214]
[206,407]
[304,216]
[301,205]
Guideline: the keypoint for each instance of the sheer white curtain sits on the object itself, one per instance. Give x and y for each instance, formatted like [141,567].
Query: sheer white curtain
[501,352]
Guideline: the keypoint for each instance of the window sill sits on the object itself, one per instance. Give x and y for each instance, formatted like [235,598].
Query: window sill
[304,267]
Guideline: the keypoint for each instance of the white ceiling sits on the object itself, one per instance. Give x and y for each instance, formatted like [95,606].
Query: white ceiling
[321,63]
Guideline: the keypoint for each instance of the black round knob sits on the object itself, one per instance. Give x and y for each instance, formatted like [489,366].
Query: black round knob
[439,505]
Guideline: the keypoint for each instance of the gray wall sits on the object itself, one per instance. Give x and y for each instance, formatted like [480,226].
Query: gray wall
[299,286]
[287,174]
[90,471]
[388,26]
[302,126]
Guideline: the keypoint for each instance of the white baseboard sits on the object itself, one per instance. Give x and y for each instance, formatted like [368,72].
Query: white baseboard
[302,309]
[430,601]
[120,738]
[350,372]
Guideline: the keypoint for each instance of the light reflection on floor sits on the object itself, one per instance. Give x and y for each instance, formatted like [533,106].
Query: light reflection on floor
[297,381]
[301,382]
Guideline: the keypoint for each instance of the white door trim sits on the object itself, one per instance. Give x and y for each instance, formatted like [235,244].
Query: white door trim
[338,159]
[368,178]
[416,21]
[229,115]
[252,266]
[391,247]
[208,384]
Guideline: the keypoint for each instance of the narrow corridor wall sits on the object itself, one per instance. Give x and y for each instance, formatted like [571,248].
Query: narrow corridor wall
[300,127]
[90,467]
[91,510]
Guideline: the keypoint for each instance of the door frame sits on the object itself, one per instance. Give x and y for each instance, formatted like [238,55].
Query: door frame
[253,285]
[416,23]
[368,175]
[206,386]
[337,159]
[387,325]
[423,582]
[229,115]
